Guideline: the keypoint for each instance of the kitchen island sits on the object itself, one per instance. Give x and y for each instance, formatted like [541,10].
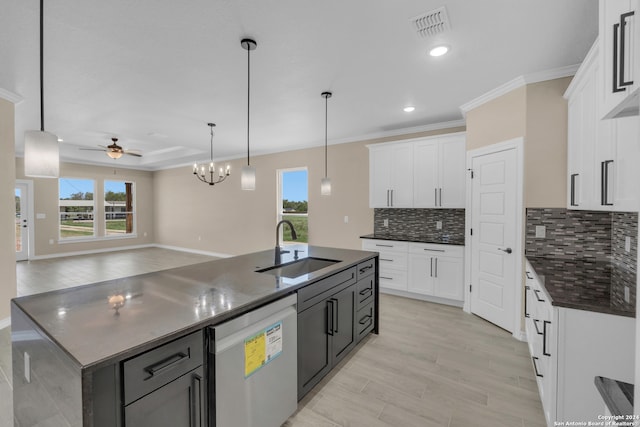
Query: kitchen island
[72,348]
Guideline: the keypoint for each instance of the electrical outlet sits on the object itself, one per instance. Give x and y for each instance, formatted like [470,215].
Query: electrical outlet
[51,241]
[41,216]
[438,225]
[386,222]
[627,244]
[144,234]
[199,238]
[541,231]
[27,367]
[626,294]
[346,219]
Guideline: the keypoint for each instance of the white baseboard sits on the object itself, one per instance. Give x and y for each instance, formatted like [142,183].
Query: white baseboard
[193,251]
[90,252]
[4,323]
[421,297]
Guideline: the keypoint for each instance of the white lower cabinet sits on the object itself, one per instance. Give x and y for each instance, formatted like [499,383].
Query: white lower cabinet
[423,270]
[569,348]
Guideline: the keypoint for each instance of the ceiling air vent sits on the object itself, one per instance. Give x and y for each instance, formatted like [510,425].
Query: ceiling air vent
[431,23]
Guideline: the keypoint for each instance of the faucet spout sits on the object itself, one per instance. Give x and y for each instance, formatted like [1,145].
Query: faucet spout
[278,251]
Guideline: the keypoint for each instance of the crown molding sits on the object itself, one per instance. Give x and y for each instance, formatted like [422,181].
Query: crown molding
[541,76]
[10,96]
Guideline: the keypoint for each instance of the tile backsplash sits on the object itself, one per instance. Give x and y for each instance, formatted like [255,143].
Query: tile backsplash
[589,236]
[420,222]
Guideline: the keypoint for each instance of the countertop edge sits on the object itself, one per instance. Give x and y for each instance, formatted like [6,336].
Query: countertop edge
[411,240]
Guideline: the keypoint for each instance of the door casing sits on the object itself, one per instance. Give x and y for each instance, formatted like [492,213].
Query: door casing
[28,184]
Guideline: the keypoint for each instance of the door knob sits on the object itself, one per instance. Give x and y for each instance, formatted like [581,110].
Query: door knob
[508,250]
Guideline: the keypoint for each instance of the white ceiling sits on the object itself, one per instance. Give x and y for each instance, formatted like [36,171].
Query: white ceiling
[153,73]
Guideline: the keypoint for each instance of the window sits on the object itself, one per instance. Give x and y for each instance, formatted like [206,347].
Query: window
[293,203]
[76,207]
[119,213]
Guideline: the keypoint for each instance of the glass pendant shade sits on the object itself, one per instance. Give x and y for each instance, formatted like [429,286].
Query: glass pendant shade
[248,178]
[114,154]
[325,186]
[41,154]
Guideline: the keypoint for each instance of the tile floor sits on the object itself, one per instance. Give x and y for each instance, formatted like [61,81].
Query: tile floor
[431,365]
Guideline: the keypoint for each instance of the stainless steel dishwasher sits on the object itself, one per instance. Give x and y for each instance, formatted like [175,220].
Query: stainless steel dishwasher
[255,358]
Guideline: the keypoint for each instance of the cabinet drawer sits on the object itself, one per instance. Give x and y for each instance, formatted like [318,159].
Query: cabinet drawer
[364,320]
[311,294]
[384,245]
[364,291]
[393,279]
[393,260]
[159,366]
[366,268]
[434,249]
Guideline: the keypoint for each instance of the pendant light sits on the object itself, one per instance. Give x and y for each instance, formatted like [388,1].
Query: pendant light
[41,151]
[201,171]
[248,177]
[325,183]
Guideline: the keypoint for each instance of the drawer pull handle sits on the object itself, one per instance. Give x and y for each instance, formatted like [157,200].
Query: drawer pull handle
[434,250]
[544,338]
[386,259]
[368,267]
[365,319]
[384,246]
[537,292]
[367,292]
[529,276]
[526,291]
[388,278]
[165,364]
[535,367]
[196,402]
[535,324]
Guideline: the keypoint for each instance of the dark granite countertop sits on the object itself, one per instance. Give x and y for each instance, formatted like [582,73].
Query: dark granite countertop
[440,240]
[578,284]
[617,395]
[162,305]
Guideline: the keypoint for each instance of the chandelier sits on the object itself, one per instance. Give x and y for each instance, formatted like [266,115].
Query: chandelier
[207,173]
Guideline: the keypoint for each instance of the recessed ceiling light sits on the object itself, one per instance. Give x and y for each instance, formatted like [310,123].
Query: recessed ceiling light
[60,140]
[439,50]
[408,109]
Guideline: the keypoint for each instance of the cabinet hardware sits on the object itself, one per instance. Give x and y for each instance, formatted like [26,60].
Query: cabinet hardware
[435,197]
[368,292]
[440,197]
[535,367]
[544,337]
[391,198]
[330,317]
[526,291]
[434,250]
[385,259]
[387,198]
[537,292]
[196,402]
[436,267]
[528,276]
[572,202]
[619,61]
[365,268]
[165,364]
[335,316]
[535,324]
[431,270]
[604,183]
[365,319]
[386,278]
[384,246]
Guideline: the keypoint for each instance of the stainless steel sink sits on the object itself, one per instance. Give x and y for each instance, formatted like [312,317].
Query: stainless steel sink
[298,268]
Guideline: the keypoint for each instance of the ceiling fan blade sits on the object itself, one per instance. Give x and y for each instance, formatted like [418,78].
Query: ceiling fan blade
[92,149]
[132,154]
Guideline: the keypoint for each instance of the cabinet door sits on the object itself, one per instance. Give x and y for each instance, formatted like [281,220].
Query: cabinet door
[379,177]
[426,167]
[402,176]
[178,404]
[314,360]
[451,193]
[449,279]
[618,35]
[342,309]
[624,171]
[421,278]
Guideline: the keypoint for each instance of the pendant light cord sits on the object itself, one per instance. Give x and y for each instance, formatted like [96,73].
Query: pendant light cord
[211,125]
[325,134]
[248,98]
[41,65]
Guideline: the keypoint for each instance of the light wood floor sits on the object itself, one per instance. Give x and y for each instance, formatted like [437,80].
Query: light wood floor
[431,365]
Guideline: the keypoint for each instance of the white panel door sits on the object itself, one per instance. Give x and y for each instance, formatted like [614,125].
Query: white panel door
[493,261]
[402,176]
[421,277]
[449,278]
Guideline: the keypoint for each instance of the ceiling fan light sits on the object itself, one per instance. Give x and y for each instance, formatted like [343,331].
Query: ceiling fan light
[41,154]
[114,154]
[248,178]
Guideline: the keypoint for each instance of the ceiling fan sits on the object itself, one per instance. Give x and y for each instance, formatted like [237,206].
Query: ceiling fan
[114,150]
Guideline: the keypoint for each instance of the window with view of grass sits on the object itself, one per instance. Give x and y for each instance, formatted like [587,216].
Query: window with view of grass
[293,198]
[76,207]
[119,210]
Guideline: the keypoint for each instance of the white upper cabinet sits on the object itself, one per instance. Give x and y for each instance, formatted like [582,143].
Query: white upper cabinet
[620,57]
[603,155]
[391,176]
[423,173]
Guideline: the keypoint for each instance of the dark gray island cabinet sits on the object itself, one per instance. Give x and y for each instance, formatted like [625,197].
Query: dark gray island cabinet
[141,351]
